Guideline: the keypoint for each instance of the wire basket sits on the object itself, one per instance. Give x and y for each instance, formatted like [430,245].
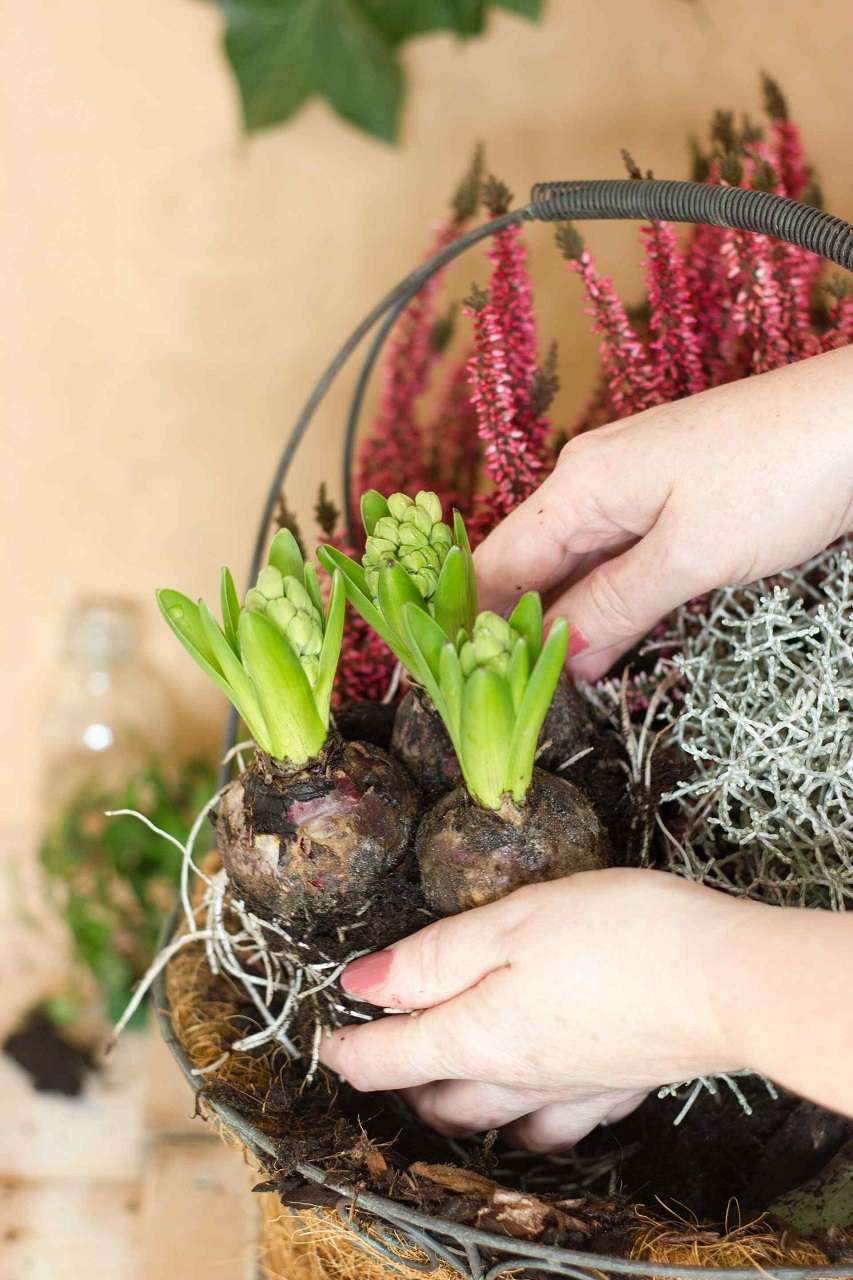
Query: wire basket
[468,1252]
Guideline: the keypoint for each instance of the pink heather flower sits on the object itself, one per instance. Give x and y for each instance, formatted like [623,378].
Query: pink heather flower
[839,332]
[510,463]
[366,664]
[391,458]
[675,350]
[757,312]
[625,362]
[787,158]
[512,298]
[454,443]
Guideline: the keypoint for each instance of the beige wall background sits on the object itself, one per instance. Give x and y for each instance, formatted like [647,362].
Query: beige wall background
[172,289]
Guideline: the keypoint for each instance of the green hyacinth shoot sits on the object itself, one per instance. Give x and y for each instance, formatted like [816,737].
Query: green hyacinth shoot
[275,658]
[411,557]
[412,535]
[492,688]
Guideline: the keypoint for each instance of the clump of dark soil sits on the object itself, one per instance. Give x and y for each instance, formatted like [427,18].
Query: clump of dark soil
[54,1063]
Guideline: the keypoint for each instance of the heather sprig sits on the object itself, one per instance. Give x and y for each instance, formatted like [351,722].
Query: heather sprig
[512,454]
[275,658]
[411,557]
[625,362]
[393,457]
[492,687]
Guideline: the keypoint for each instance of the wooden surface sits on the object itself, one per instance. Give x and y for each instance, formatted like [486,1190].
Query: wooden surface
[120,1184]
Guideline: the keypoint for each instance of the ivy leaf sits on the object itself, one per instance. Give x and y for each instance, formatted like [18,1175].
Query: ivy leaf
[397,21]
[531,9]
[286,51]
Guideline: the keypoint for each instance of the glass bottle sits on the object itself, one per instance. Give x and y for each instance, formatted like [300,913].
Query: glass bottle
[108,713]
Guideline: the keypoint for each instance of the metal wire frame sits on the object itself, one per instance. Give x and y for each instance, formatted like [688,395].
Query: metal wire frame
[400,1227]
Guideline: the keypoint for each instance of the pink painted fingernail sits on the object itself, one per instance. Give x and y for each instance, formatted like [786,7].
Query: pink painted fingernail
[367,972]
[577,643]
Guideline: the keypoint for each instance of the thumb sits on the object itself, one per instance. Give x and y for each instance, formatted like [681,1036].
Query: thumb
[620,600]
[438,962]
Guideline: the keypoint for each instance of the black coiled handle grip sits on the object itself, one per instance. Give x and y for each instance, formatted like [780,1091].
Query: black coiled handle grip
[674,201]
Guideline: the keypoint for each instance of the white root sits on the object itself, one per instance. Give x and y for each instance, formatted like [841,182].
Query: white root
[277,973]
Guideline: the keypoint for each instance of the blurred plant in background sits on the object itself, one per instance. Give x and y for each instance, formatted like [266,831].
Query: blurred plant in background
[113,880]
[284,52]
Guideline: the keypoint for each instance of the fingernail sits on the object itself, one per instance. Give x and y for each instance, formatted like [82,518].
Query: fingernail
[577,643]
[366,972]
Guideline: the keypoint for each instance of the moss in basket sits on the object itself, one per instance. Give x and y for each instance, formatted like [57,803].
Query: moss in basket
[510,824]
[314,823]
[412,556]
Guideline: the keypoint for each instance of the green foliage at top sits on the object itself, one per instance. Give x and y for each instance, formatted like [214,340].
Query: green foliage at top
[275,658]
[492,688]
[284,52]
[411,558]
[113,879]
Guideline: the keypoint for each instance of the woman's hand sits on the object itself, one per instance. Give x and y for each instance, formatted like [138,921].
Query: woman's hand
[723,487]
[561,1005]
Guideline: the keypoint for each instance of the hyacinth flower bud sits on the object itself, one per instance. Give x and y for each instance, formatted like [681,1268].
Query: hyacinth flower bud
[412,535]
[288,605]
[490,646]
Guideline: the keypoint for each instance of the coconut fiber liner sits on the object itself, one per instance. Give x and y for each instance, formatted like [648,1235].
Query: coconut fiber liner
[632,1190]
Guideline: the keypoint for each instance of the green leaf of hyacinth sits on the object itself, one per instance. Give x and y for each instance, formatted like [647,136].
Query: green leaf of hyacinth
[395,590]
[333,632]
[359,597]
[373,508]
[419,664]
[486,733]
[182,615]
[285,555]
[460,537]
[450,600]
[451,682]
[295,729]
[526,619]
[229,603]
[243,693]
[519,672]
[426,639]
[312,586]
[184,618]
[534,708]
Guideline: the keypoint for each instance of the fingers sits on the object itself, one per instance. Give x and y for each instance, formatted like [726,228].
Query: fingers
[603,494]
[619,601]
[453,1041]
[436,963]
[458,1108]
[562,1124]
[528,551]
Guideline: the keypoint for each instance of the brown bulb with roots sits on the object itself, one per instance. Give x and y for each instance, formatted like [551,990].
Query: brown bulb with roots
[315,842]
[469,855]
